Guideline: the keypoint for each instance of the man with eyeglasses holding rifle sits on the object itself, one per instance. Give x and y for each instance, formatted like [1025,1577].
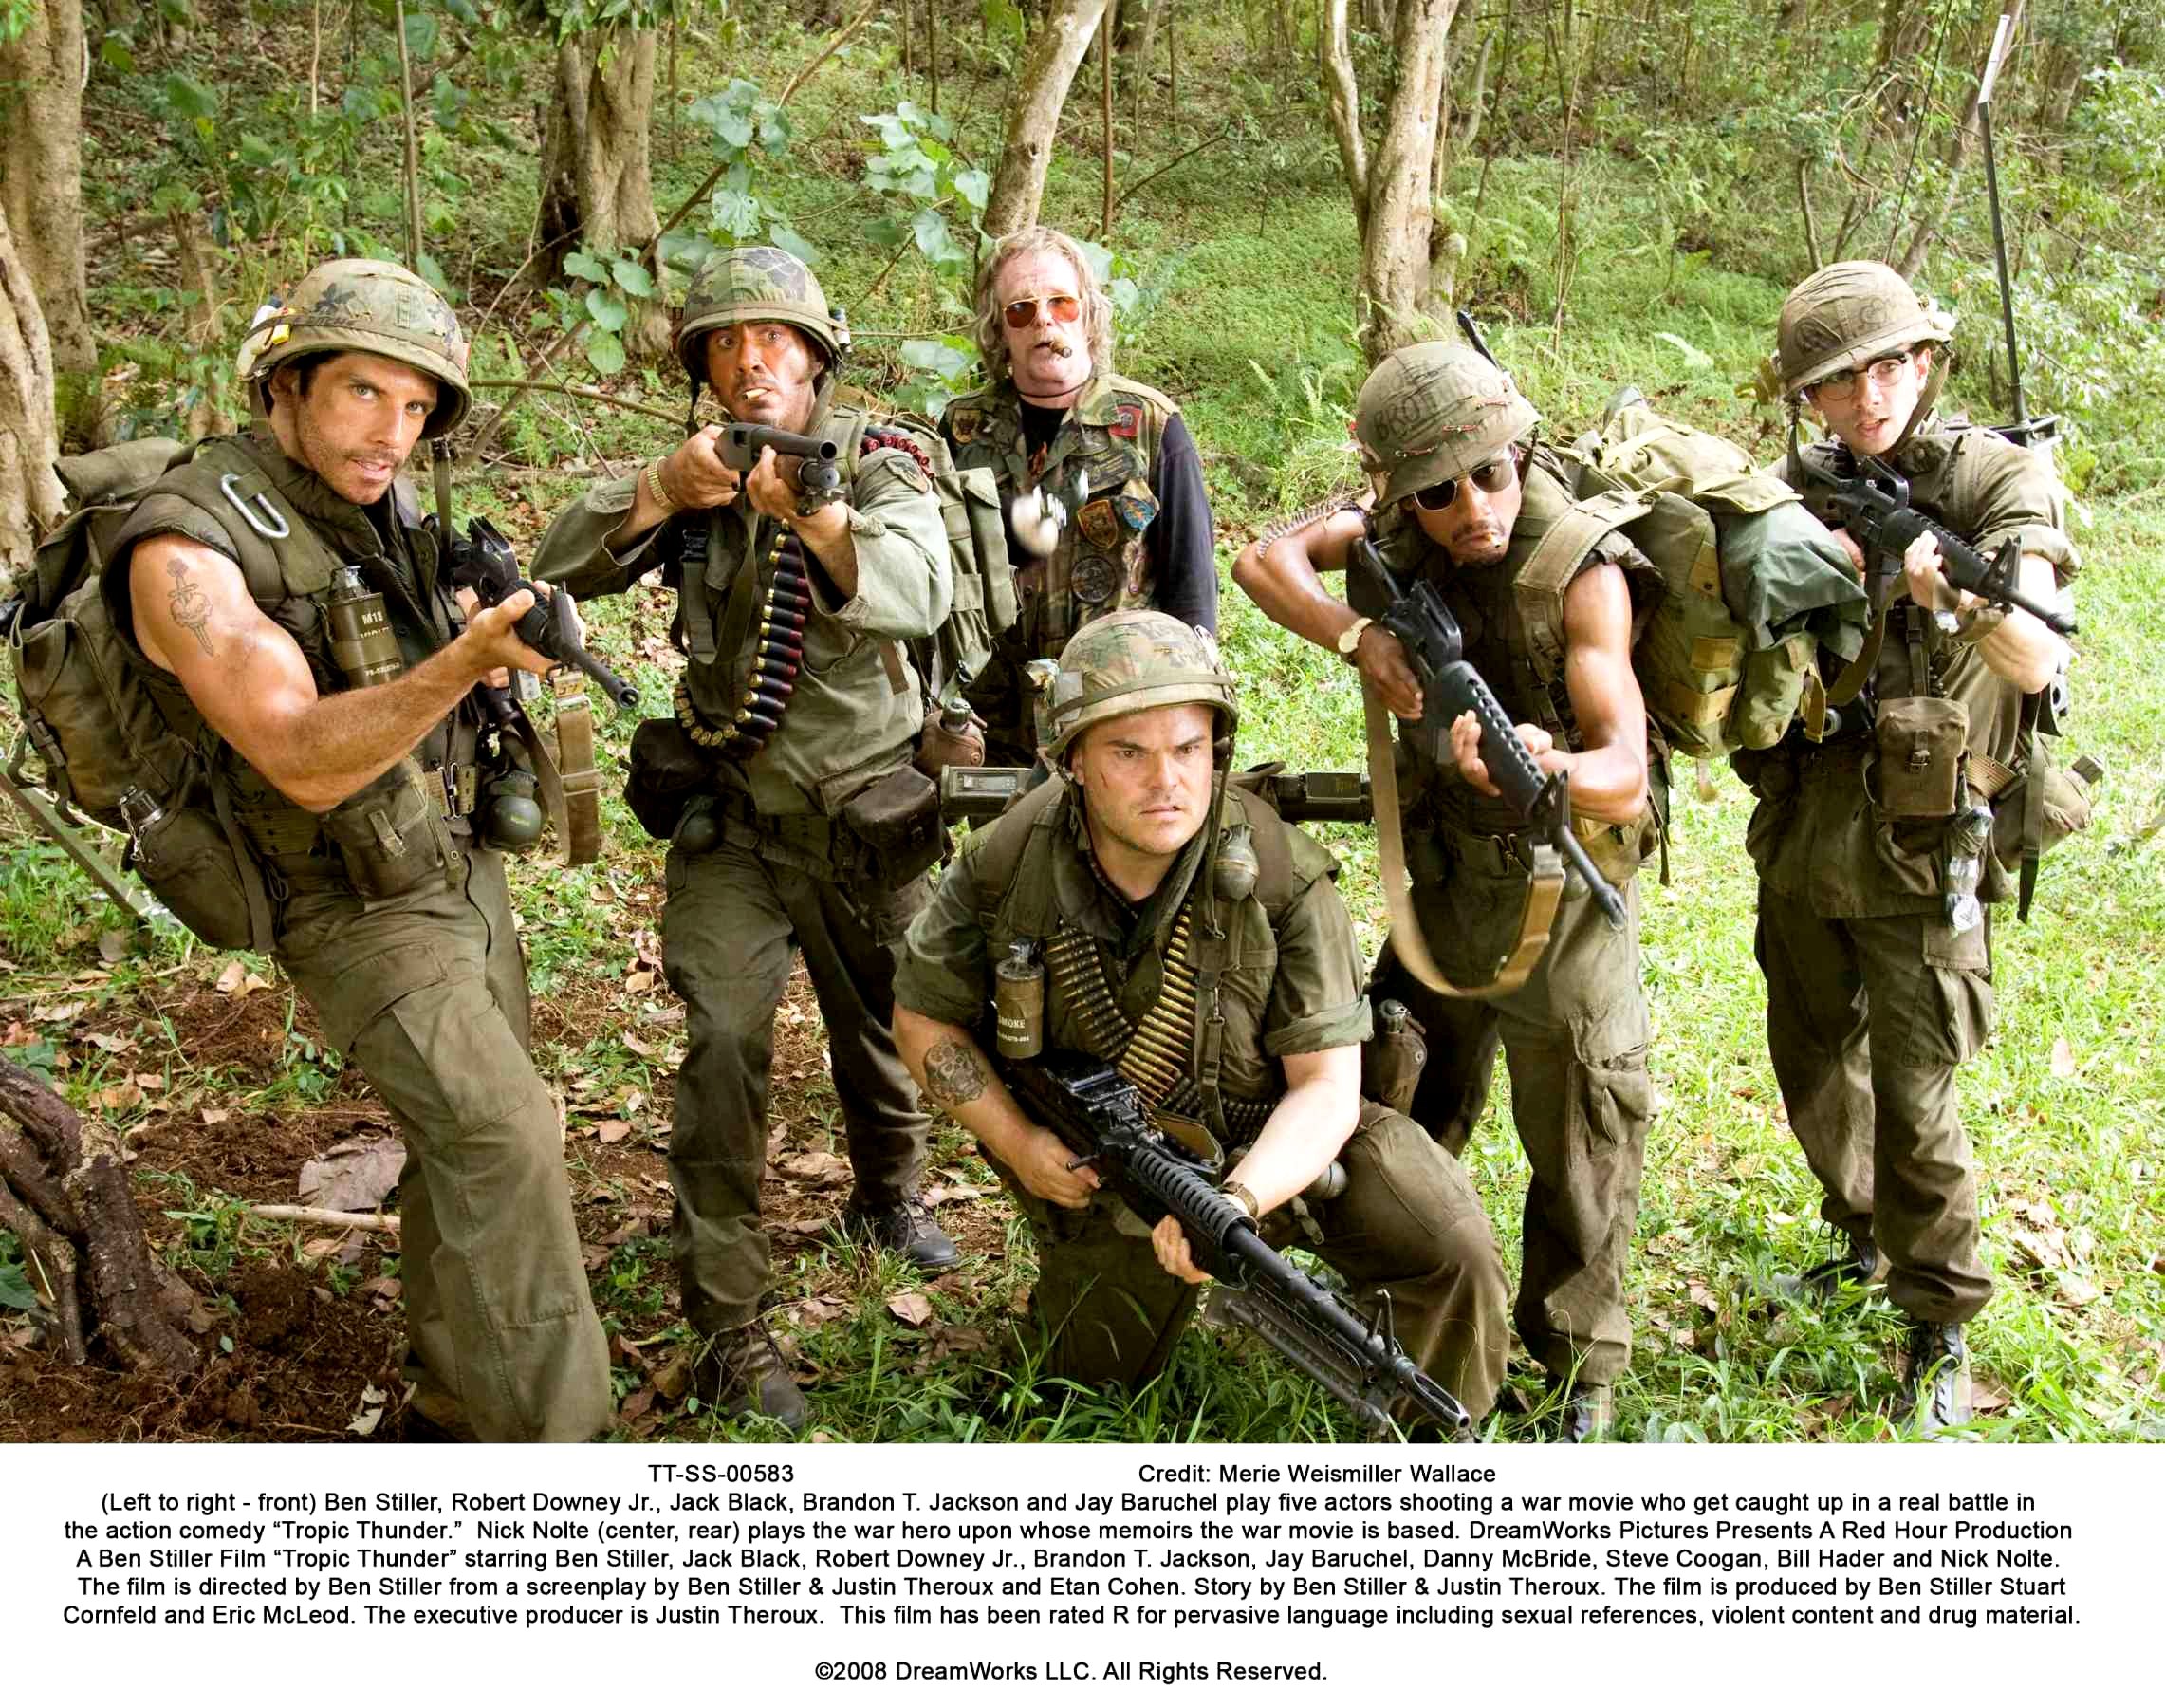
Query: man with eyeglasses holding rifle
[1099,479]
[1462,501]
[1880,847]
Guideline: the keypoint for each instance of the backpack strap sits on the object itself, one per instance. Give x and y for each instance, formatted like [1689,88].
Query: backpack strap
[1550,567]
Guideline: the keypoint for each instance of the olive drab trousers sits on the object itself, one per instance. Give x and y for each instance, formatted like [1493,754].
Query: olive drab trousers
[1574,1038]
[1866,1021]
[1407,1223]
[428,995]
[733,915]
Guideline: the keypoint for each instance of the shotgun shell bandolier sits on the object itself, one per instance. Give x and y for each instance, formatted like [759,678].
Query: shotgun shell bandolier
[118,738]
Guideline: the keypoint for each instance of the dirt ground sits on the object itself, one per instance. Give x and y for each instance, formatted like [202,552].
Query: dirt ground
[301,1327]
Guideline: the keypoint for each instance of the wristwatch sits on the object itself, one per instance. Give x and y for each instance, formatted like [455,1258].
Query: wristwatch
[1349,642]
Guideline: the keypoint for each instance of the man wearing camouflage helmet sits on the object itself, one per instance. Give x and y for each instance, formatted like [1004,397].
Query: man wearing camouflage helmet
[1098,477]
[1875,992]
[1463,500]
[785,780]
[350,809]
[1140,874]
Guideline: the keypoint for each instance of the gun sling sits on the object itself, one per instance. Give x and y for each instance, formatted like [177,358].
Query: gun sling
[1544,889]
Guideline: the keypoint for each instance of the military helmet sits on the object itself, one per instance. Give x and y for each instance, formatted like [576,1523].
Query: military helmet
[761,284]
[1132,661]
[375,307]
[1846,315]
[1433,412]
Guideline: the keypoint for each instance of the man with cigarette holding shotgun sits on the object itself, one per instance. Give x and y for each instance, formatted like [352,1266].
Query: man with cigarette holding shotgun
[1137,909]
[806,545]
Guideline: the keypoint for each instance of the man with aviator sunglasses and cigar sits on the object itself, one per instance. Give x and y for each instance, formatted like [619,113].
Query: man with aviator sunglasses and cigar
[1463,499]
[1099,479]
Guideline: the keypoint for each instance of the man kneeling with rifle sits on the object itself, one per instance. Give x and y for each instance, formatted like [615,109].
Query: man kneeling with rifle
[1138,910]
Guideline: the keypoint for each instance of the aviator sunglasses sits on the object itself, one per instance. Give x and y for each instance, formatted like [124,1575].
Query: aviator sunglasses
[1491,477]
[1064,309]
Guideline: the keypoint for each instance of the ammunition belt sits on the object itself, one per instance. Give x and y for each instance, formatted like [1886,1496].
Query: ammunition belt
[778,653]
[1153,1052]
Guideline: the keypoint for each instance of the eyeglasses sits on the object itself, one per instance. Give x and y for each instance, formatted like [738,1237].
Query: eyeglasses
[1064,309]
[1490,478]
[1882,372]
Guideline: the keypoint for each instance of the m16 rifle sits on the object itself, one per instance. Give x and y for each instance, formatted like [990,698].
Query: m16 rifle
[1873,503]
[819,475]
[1099,1114]
[1449,686]
[484,561]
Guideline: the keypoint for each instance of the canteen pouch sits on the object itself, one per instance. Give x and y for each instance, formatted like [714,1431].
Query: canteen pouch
[390,837]
[897,822]
[2067,809]
[1921,741]
[666,770]
[185,857]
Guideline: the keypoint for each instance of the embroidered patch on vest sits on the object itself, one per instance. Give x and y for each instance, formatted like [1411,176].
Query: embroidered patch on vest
[966,424]
[1094,579]
[1136,511]
[1101,526]
[1127,422]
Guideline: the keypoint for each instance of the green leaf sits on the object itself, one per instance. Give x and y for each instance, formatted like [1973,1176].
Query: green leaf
[632,279]
[936,242]
[783,238]
[607,312]
[463,10]
[429,270]
[580,264]
[736,213]
[975,188]
[15,1292]
[885,231]
[685,252]
[113,54]
[605,350]
[937,356]
[190,99]
[421,35]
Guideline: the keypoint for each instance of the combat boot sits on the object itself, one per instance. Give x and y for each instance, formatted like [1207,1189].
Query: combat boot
[1588,1414]
[1822,1283]
[1935,1379]
[740,1374]
[905,1226]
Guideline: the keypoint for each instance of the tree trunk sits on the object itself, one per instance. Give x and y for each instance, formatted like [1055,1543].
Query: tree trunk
[1056,50]
[63,1193]
[29,491]
[1389,188]
[41,185]
[596,177]
[1145,19]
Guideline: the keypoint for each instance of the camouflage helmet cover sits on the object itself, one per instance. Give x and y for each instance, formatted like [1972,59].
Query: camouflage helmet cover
[1133,662]
[1844,316]
[373,307]
[762,284]
[1433,412]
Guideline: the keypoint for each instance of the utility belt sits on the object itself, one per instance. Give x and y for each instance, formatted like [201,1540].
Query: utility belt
[885,836]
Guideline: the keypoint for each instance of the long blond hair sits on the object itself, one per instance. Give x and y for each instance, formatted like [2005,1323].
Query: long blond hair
[1097,306]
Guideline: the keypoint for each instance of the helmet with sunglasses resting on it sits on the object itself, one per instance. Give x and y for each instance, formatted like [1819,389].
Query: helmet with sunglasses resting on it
[1436,411]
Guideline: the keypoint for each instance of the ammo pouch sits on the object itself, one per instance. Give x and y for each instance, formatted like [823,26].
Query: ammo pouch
[897,822]
[2066,807]
[1921,741]
[666,770]
[187,859]
[391,837]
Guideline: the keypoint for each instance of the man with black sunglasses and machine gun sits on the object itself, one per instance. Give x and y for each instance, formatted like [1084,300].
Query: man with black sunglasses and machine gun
[1139,991]
[1099,481]
[1494,942]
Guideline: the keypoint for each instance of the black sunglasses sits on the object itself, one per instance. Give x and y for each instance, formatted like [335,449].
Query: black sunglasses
[1491,477]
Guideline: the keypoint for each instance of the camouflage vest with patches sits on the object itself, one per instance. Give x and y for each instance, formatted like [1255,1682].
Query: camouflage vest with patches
[1109,444]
